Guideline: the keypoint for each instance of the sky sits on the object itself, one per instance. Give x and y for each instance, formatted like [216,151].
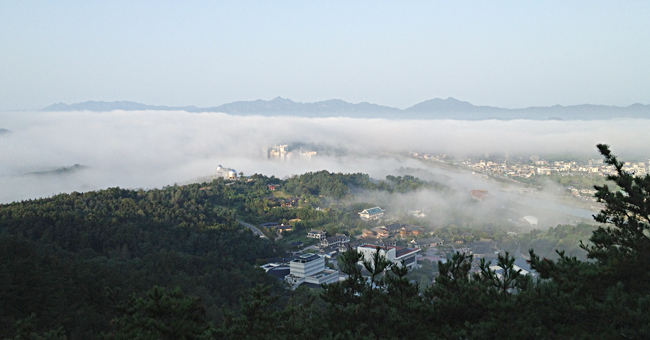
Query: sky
[206,53]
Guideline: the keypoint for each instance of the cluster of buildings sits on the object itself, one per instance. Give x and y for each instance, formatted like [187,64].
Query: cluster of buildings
[283,201]
[392,230]
[311,270]
[281,153]
[388,235]
[277,152]
[338,241]
[539,167]
[535,166]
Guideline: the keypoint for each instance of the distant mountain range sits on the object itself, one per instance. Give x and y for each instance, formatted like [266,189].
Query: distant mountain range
[4,131]
[449,108]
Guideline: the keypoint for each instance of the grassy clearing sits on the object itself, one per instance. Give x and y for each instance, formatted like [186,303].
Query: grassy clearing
[281,194]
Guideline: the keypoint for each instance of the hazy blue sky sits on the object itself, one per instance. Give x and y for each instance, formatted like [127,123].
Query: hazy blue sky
[510,54]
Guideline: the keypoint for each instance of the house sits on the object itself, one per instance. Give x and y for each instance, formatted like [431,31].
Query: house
[365,233]
[387,242]
[290,202]
[408,229]
[356,243]
[374,213]
[317,234]
[272,187]
[284,227]
[310,269]
[393,228]
[380,232]
[395,254]
[484,248]
[337,240]
[461,248]
[499,271]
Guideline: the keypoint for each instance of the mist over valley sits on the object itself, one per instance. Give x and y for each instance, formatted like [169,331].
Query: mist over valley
[324,170]
[61,152]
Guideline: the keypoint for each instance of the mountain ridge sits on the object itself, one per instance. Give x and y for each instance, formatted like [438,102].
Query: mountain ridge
[435,108]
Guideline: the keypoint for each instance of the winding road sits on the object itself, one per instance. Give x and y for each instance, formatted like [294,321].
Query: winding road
[255,230]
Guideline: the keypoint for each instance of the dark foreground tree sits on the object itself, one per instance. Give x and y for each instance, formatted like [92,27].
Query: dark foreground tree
[160,314]
[608,297]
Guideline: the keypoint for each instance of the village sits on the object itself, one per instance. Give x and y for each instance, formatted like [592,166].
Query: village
[402,244]
[536,166]
[535,170]
[312,253]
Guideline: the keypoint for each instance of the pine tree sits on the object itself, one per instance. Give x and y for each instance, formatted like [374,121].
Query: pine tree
[161,314]
[623,247]
[609,296]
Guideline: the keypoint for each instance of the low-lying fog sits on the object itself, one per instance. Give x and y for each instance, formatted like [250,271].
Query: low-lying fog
[146,149]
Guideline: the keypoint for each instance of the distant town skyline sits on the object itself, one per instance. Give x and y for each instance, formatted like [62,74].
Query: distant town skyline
[510,55]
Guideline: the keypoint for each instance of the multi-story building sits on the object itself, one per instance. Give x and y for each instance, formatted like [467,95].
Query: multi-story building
[277,152]
[310,269]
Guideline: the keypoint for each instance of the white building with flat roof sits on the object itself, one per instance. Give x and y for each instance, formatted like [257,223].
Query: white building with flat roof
[310,268]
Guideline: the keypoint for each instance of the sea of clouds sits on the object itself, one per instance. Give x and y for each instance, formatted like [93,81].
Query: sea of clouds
[147,149]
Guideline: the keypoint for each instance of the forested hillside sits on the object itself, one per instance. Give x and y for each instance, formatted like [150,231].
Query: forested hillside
[173,263]
[59,254]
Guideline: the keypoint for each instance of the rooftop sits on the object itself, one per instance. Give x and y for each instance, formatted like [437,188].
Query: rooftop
[306,258]
[394,227]
[374,210]
[428,240]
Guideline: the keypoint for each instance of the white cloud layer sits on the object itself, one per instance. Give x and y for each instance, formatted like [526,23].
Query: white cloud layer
[144,149]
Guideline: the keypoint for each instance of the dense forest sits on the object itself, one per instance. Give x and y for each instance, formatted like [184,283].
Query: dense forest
[72,259]
[173,263]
